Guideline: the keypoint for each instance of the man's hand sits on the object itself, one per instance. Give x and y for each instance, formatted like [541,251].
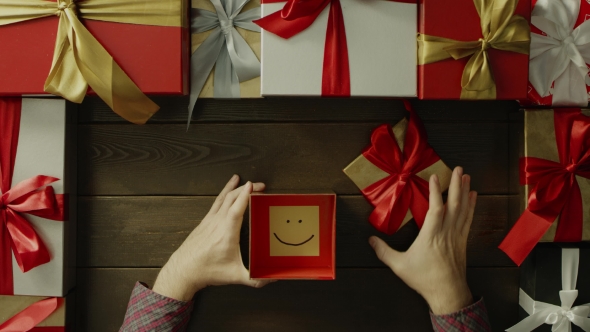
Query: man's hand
[435,264]
[211,253]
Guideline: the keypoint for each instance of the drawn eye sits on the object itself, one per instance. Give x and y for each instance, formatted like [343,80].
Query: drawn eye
[300,221]
[288,221]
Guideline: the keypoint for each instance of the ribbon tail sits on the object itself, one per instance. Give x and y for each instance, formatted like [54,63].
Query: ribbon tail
[33,315]
[524,235]
[419,203]
[28,248]
[244,62]
[390,213]
[569,88]
[6,277]
[202,62]
[571,219]
[531,322]
[227,84]
[336,71]
[100,71]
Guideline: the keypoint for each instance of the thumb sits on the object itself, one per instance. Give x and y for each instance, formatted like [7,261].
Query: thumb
[384,252]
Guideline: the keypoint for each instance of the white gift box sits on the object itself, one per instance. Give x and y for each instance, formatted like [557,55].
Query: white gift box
[46,146]
[381,40]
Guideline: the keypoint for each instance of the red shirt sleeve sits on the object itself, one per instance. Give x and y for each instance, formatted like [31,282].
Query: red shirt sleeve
[150,311]
[474,318]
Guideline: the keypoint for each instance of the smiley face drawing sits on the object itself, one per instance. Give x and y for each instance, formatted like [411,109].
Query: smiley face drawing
[294,230]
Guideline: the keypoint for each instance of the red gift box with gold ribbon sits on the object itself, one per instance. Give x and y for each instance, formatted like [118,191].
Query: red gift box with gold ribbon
[37,197]
[555,179]
[393,172]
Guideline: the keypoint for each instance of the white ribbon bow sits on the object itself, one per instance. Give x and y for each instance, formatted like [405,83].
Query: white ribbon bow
[562,54]
[560,317]
[225,48]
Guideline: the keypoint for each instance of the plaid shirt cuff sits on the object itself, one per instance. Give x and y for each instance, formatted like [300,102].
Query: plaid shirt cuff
[150,311]
[474,318]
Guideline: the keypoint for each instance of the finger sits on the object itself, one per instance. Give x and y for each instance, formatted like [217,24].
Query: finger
[237,210]
[385,254]
[436,208]
[230,198]
[453,200]
[465,185]
[231,185]
[256,283]
[470,212]
[258,187]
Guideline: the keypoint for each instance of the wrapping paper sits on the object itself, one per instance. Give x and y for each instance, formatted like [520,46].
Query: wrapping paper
[35,314]
[473,49]
[37,167]
[249,88]
[339,48]
[559,74]
[119,48]
[547,306]
[555,181]
[393,174]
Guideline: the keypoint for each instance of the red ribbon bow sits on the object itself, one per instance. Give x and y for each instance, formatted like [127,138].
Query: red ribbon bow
[555,190]
[28,319]
[298,15]
[33,196]
[393,195]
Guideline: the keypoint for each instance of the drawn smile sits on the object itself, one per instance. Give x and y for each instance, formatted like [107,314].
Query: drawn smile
[293,244]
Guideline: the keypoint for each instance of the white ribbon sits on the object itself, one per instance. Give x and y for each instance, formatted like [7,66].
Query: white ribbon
[560,317]
[562,54]
[225,48]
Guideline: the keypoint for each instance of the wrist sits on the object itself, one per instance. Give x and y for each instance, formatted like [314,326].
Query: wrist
[173,283]
[447,300]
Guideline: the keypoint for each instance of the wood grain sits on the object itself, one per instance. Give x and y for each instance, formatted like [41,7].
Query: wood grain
[168,160]
[358,300]
[175,109]
[144,231]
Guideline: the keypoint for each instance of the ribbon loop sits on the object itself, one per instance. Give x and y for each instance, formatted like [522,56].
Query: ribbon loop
[501,29]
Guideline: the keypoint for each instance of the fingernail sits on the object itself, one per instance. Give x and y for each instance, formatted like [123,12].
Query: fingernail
[372,242]
[435,178]
[234,177]
[459,170]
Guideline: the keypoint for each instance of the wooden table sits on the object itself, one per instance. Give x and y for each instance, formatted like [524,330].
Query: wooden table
[144,188]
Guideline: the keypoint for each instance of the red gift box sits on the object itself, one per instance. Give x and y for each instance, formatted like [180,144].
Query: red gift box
[534,97]
[292,236]
[459,20]
[155,57]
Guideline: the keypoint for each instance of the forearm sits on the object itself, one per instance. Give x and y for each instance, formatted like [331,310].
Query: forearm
[150,311]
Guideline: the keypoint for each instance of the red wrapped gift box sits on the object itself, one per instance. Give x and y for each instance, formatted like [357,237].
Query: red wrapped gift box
[459,20]
[155,58]
[292,236]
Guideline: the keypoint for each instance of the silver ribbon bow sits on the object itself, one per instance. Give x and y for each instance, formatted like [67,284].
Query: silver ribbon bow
[225,48]
[560,317]
[562,54]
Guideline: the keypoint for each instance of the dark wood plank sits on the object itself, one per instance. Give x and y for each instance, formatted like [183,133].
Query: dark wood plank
[358,300]
[144,231]
[167,160]
[516,149]
[175,109]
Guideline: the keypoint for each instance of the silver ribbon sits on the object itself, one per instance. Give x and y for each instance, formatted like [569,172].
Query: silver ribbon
[562,54]
[225,48]
[560,317]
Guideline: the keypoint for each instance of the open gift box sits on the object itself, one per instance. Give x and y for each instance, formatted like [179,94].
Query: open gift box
[293,236]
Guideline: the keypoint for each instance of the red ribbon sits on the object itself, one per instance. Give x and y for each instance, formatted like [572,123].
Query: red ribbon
[298,15]
[33,196]
[402,189]
[28,319]
[555,190]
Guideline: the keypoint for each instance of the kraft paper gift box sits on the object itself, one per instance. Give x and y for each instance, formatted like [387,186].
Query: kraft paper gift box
[462,55]
[381,168]
[35,314]
[555,182]
[38,215]
[293,236]
[559,74]
[223,67]
[552,287]
[124,48]
[371,51]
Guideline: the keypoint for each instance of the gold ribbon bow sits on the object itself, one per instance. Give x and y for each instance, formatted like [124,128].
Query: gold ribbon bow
[500,28]
[79,60]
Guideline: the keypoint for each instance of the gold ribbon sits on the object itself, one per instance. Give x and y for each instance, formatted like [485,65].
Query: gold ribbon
[79,60]
[500,28]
